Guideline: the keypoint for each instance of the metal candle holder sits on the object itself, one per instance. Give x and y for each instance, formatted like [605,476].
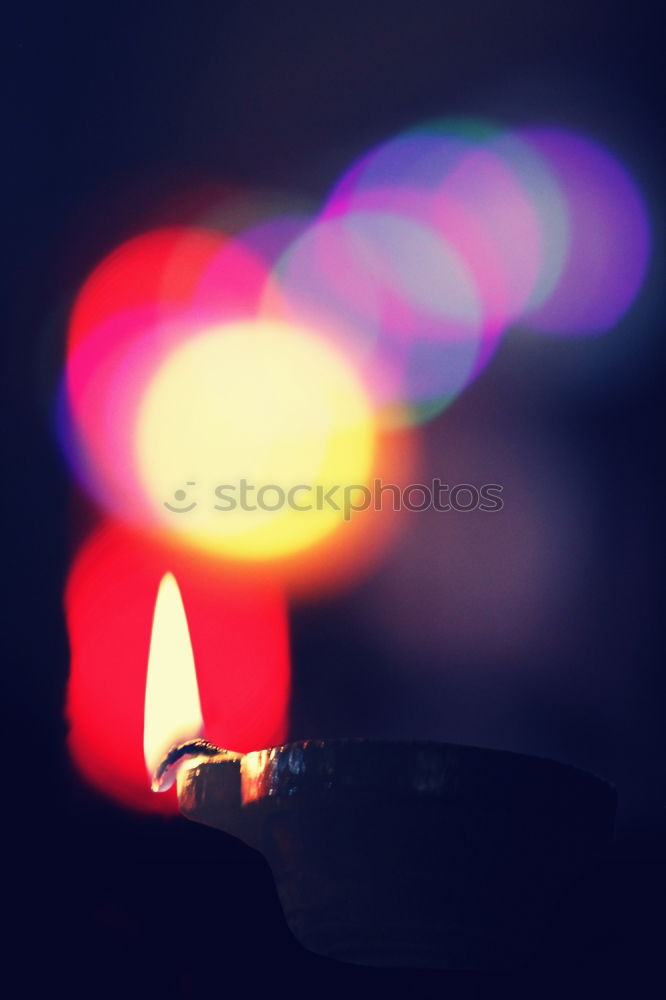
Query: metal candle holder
[408,854]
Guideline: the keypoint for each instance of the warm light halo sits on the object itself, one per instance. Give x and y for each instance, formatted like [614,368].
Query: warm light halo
[261,401]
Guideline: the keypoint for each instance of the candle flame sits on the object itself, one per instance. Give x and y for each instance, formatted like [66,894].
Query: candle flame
[172,706]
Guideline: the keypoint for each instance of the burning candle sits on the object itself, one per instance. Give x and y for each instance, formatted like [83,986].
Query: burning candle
[172,695]
[110,603]
[412,854]
[172,705]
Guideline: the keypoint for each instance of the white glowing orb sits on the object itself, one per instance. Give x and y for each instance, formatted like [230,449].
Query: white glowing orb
[243,433]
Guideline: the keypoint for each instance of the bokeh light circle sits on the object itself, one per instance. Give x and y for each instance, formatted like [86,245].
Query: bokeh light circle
[609,242]
[458,179]
[160,269]
[241,416]
[397,296]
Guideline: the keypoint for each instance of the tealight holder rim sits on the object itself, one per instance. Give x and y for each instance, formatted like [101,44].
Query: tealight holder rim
[333,742]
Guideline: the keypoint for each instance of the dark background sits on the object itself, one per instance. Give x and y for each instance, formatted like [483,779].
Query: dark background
[113,109]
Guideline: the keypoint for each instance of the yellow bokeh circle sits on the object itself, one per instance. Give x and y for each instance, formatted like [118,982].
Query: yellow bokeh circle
[248,438]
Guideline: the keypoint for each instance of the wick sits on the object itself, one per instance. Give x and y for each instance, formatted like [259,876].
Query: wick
[162,778]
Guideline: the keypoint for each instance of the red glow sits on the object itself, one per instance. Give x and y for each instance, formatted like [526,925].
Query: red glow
[143,299]
[239,638]
[160,267]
